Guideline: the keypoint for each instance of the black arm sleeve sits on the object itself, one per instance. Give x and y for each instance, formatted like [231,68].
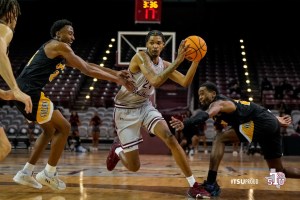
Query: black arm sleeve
[200,117]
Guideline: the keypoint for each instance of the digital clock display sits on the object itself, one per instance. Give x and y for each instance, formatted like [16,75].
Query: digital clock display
[148,11]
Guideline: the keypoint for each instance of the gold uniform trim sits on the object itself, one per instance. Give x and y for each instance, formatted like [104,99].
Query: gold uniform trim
[247,130]
[45,110]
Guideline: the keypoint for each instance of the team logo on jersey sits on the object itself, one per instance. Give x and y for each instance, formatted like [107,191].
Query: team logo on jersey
[59,67]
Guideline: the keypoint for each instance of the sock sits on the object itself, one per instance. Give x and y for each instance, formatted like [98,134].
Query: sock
[211,177]
[50,170]
[191,180]
[28,168]
[118,150]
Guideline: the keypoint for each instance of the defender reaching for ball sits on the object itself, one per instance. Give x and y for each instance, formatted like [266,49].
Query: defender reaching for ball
[134,109]
[248,121]
[46,64]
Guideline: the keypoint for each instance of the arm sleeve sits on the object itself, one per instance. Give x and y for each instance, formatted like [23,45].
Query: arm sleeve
[200,117]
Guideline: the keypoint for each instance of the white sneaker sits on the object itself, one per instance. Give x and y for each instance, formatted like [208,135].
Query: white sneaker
[53,182]
[191,153]
[235,153]
[187,151]
[72,147]
[81,149]
[25,179]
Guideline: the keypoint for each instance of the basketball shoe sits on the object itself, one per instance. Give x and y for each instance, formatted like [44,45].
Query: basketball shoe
[53,182]
[198,192]
[26,179]
[214,189]
[191,152]
[112,158]
[251,150]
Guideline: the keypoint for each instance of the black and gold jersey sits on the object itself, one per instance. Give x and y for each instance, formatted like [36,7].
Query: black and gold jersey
[39,71]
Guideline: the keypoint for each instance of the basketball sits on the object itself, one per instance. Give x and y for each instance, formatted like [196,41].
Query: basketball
[197,48]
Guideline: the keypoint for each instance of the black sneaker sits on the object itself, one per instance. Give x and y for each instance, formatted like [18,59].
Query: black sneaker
[214,189]
[251,150]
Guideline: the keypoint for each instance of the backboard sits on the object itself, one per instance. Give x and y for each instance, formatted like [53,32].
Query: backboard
[130,42]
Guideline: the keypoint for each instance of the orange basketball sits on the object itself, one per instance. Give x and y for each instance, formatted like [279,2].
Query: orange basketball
[197,48]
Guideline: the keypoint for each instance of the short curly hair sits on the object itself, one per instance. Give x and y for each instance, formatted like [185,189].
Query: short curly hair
[59,24]
[211,87]
[155,33]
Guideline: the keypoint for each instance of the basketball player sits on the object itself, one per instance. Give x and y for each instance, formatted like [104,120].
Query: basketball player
[134,110]
[248,121]
[9,13]
[48,61]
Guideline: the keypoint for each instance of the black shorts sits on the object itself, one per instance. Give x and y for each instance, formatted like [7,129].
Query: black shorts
[267,134]
[42,107]
[188,133]
[266,131]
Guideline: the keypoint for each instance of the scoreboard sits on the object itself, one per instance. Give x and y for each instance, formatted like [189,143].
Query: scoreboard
[148,11]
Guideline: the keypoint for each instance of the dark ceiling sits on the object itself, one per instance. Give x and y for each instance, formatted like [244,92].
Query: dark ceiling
[92,18]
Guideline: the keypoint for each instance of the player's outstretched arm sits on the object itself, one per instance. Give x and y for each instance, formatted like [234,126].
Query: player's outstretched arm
[75,61]
[124,76]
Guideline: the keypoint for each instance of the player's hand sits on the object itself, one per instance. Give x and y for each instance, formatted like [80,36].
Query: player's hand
[285,121]
[20,96]
[124,74]
[125,79]
[176,124]
[182,51]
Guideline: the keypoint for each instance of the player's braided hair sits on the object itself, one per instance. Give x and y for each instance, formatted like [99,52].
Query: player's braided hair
[9,10]
[59,24]
[155,33]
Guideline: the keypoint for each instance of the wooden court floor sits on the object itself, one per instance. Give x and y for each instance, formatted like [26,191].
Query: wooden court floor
[87,178]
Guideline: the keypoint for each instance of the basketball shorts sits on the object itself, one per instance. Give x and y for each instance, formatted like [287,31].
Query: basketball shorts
[42,107]
[265,130]
[130,121]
